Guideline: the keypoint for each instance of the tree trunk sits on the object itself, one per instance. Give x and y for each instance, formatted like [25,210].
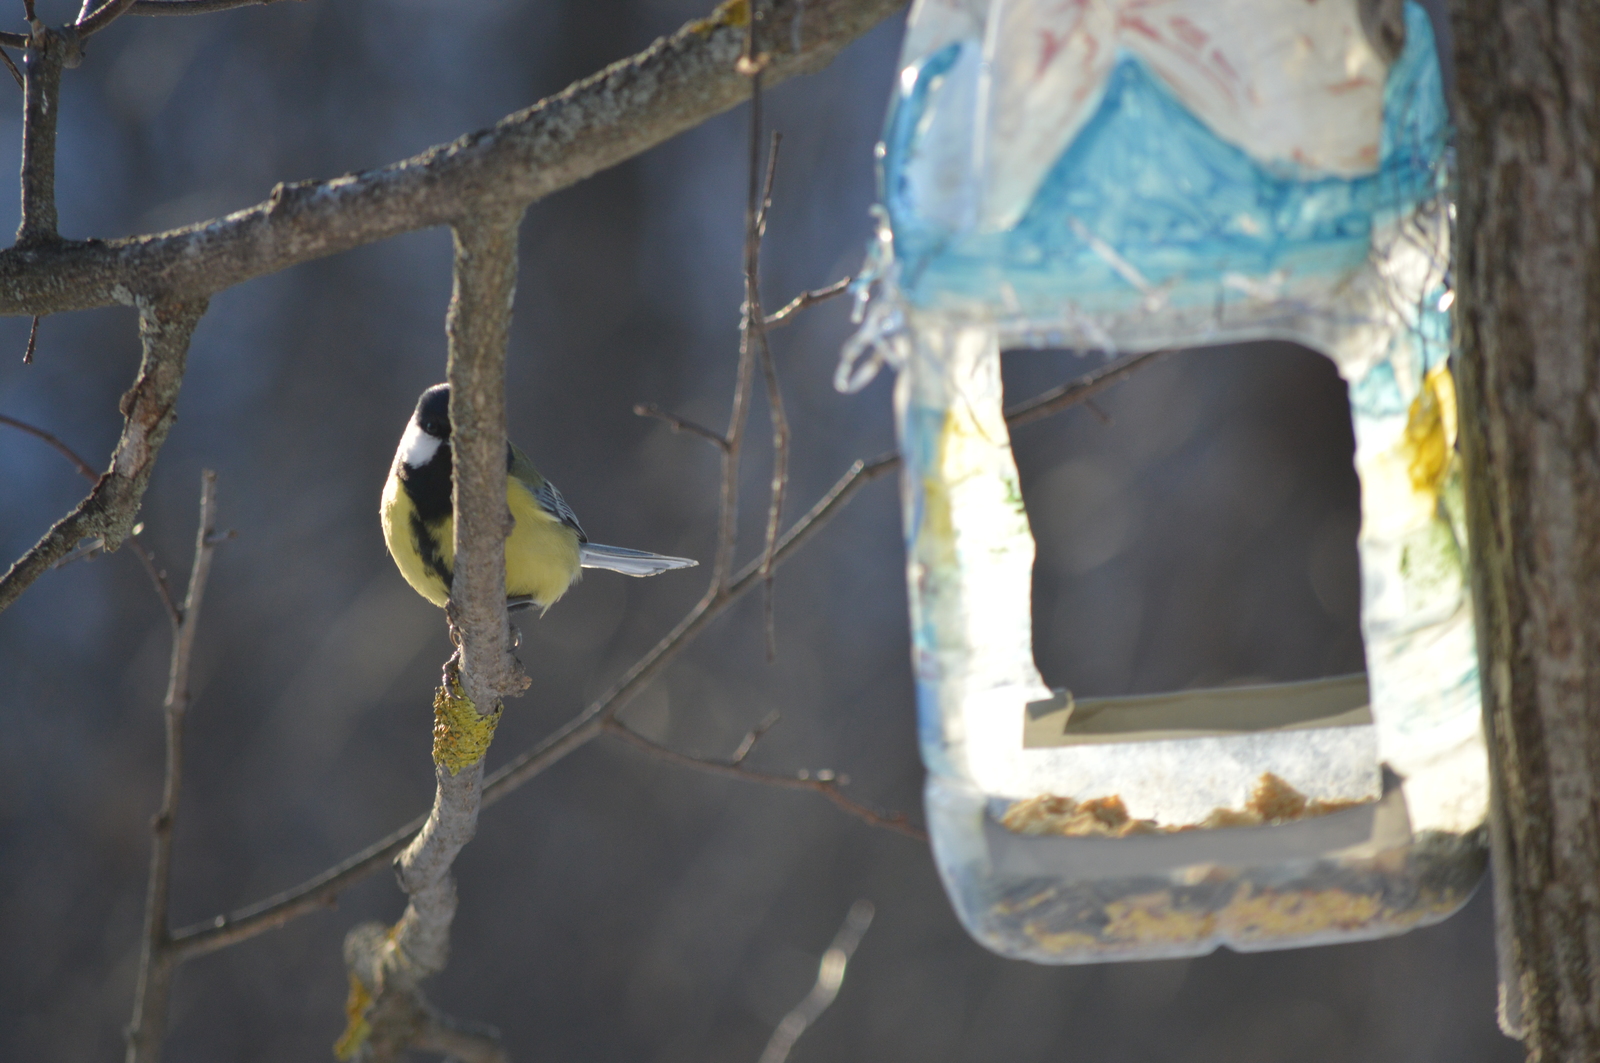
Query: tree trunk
[1528,276]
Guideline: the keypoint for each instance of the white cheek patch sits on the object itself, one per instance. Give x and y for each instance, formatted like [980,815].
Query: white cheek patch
[417,447]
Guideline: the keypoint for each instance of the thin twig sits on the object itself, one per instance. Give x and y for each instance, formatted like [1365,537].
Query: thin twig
[1084,388]
[806,300]
[159,959]
[111,509]
[33,330]
[191,7]
[466,1042]
[830,976]
[108,12]
[48,53]
[11,65]
[83,467]
[824,782]
[755,735]
[321,891]
[756,334]
[146,558]
[679,424]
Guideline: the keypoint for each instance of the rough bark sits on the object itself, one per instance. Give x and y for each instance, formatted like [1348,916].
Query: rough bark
[148,409]
[623,110]
[1529,320]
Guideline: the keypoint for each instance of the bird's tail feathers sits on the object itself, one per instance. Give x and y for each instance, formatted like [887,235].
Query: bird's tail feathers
[629,562]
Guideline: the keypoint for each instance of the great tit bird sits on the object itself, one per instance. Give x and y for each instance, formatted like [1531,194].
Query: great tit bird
[547,549]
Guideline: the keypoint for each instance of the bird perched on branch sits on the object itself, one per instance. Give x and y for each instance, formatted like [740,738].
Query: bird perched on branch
[547,549]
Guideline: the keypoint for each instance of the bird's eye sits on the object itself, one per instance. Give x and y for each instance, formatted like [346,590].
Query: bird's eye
[436,428]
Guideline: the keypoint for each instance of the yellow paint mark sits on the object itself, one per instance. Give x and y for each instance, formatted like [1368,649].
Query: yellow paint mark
[357,1029]
[461,734]
[1431,432]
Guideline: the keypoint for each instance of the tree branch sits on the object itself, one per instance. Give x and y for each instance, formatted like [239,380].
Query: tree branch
[159,959]
[806,300]
[48,53]
[392,965]
[754,334]
[830,976]
[111,508]
[84,468]
[823,782]
[192,7]
[146,559]
[1084,388]
[678,424]
[104,16]
[626,109]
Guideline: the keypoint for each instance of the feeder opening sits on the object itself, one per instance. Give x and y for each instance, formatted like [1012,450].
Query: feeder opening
[1198,528]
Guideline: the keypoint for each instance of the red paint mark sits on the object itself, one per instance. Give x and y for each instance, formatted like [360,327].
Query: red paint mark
[1349,86]
[1188,32]
[1050,46]
[1222,61]
[1139,25]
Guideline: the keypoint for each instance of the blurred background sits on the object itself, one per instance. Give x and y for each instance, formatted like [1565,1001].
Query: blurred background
[617,908]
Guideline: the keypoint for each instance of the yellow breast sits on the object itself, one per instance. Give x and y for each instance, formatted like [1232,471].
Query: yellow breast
[541,554]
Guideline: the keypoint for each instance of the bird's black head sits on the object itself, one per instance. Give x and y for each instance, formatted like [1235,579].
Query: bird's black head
[433,411]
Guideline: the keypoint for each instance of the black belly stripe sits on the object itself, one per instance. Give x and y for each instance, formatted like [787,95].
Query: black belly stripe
[428,487]
[428,550]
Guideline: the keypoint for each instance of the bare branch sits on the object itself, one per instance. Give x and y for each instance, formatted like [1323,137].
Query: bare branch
[464,1041]
[806,300]
[157,577]
[626,109]
[111,508]
[755,335]
[1084,388]
[830,976]
[314,895]
[478,327]
[159,960]
[11,65]
[678,424]
[48,53]
[84,468]
[192,7]
[108,13]
[755,735]
[146,558]
[823,782]
[390,966]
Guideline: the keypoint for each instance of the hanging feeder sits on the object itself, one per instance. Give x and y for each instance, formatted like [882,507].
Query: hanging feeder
[1123,175]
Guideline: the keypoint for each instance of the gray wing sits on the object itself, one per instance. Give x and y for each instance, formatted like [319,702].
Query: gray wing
[521,469]
[551,501]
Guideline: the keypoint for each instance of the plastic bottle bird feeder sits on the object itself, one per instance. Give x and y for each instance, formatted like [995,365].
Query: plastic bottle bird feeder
[1132,174]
